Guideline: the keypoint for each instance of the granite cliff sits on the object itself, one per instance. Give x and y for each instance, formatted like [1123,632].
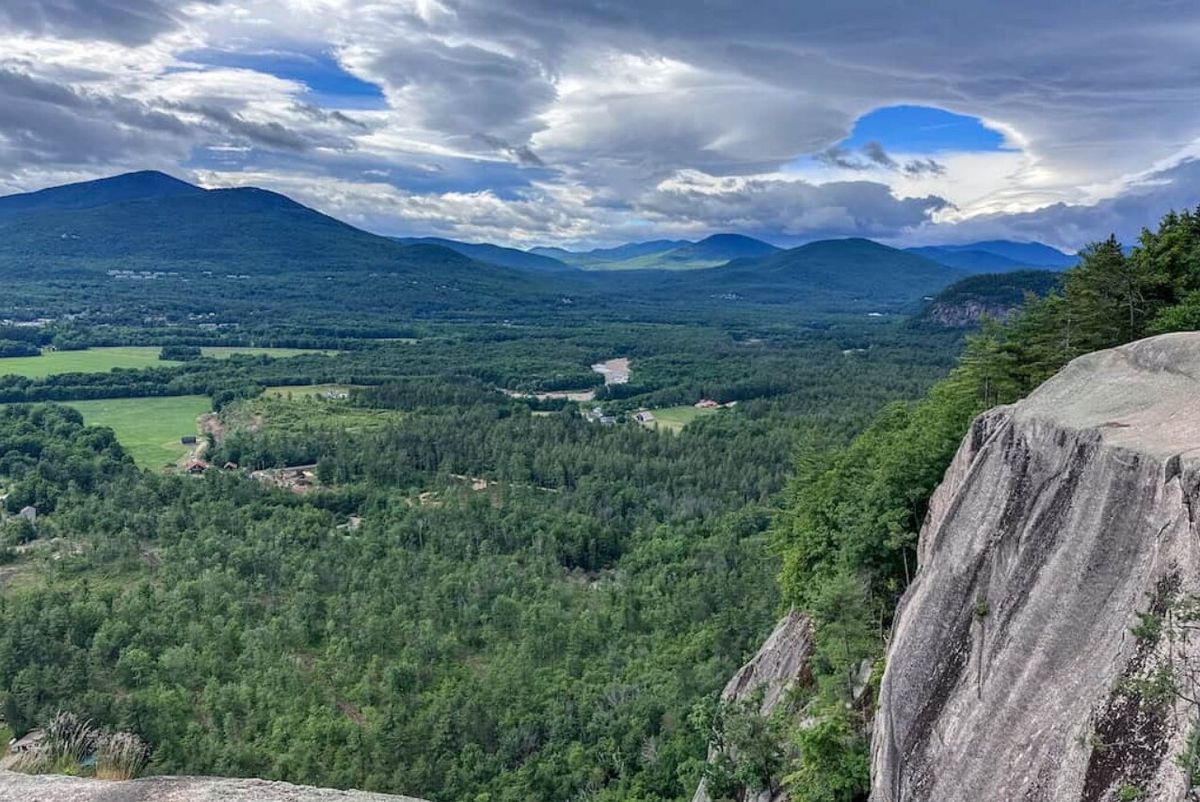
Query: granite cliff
[1011,672]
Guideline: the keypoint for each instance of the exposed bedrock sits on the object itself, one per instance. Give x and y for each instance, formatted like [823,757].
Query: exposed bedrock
[1061,518]
[778,666]
[57,788]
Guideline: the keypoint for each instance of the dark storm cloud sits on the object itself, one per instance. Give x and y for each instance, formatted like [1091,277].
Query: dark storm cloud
[794,208]
[59,126]
[130,22]
[269,134]
[523,154]
[917,167]
[462,89]
[875,152]
[46,123]
[622,97]
[318,114]
[873,155]
[840,157]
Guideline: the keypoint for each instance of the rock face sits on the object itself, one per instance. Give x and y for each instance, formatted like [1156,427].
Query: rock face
[780,663]
[1059,520]
[968,313]
[54,788]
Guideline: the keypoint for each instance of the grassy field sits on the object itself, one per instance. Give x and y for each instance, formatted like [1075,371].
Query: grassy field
[672,419]
[102,360]
[148,428]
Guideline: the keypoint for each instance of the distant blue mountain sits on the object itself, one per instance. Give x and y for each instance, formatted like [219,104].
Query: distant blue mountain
[632,250]
[665,254]
[859,267]
[621,253]
[721,248]
[492,254]
[998,256]
[1026,253]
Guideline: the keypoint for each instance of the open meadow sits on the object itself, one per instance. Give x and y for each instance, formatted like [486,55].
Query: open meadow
[673,419]
[148,428]
[102,360]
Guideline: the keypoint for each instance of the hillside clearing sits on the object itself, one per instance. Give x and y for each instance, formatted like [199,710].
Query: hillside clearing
[329,391]
[672,419]
[148,428]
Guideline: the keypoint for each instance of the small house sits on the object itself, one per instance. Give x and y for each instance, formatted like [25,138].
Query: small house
[645,416]
[607,420]
[230,466]
[196,466]
[706,403]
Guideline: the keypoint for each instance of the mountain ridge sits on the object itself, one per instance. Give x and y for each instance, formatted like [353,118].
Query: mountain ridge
[492,254]
[998,256]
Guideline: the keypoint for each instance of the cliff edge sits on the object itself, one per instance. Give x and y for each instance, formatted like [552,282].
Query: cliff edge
[1060,520]
[56,788]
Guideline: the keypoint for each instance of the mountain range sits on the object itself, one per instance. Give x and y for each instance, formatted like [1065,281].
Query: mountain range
[151,223]
[992,256]
[998,256]
[713,251]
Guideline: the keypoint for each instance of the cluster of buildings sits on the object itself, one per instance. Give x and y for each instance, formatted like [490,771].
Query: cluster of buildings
[596,415]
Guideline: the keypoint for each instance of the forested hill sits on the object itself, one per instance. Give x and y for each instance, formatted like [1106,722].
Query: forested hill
[146,185]
[492,254]
[857,268]
[968,302]
[154,221]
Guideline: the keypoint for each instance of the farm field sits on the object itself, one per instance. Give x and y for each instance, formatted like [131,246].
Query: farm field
[102,360]
[93,360]
[672,419]
[148,428]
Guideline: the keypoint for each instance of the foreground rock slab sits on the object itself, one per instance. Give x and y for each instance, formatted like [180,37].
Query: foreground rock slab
[55,788]
[1060,519]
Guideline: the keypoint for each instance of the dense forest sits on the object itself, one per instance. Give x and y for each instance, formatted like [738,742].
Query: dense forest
[486,597]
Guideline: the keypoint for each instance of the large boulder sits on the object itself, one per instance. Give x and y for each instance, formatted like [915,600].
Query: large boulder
[1060,520]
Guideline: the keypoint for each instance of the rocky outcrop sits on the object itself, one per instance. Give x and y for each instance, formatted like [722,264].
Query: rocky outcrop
[780,663]
[55,788]
[1060,519]
[969,313]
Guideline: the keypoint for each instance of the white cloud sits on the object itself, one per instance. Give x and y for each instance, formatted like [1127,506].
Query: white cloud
[623,114]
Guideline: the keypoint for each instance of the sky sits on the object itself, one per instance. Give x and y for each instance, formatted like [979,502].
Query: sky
[593,122]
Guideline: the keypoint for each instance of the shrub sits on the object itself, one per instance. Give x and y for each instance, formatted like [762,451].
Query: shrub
[120,756]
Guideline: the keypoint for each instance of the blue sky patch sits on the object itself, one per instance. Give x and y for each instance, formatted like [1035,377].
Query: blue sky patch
[330,84]
[922,129]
